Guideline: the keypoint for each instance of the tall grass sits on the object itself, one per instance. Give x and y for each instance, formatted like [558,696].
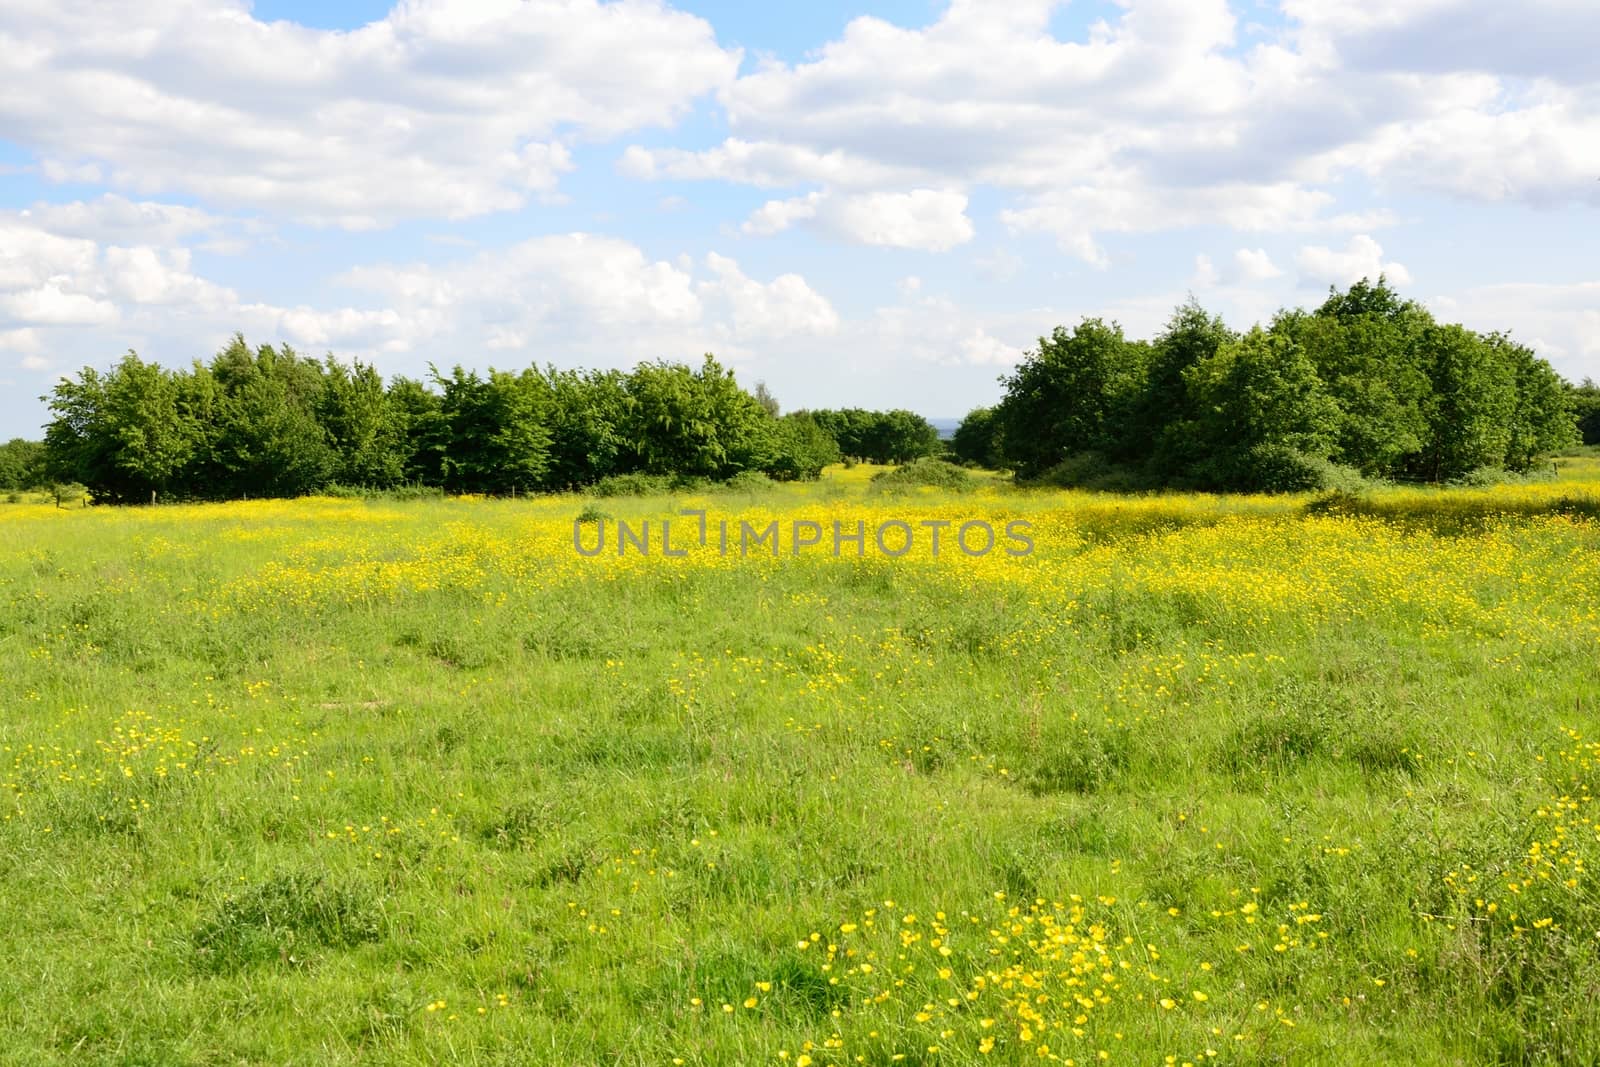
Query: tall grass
[1247,780]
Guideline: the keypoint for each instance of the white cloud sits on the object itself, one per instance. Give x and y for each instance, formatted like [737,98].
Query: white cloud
[1247,266]
[1158,119]
[775,216]
[926,219]
[784,307]
[1254,265]
[439,110]
[52,304]
[1361,258]
[929,220]
[23,340]
[145,275]
[115,218]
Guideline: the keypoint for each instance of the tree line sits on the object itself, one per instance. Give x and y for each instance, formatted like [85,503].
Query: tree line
[268,422]
[1367,385]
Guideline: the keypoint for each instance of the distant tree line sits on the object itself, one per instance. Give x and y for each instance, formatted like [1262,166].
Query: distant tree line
[880,436]
[268,422]
[1367,385]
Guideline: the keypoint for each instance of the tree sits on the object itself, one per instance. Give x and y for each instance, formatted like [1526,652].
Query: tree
[588,410]
[417,410]
[268,440]
[800,448]
[1158,426]
[1586,410]
[496,429]
[1364,344]
[77,441]
[1060,398]
[21,464]
[696,423]
[1542,419]
[1470,411]
[122,435]
[364,426]
[1259,406]
[977,439]
[152,441]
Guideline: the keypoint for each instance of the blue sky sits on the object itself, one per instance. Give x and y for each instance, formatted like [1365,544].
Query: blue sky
[878,204]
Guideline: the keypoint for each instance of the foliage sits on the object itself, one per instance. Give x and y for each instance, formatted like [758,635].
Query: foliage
[1586,409]
[267,422]
[897,436]
[922,473]
[1366,386]
[977,440]
[22,464]
[1069,395]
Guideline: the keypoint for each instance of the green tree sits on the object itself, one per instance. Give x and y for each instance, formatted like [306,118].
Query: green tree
[21,464]
[1259,406]
[364,426]
[1473,400]
[78,446]
[1062,396]
[1160,426]
[268,440]
[588,411]
[152,441]
[977,439]
[1365,345]
[496,432]
[800,448]
[693,422]
[417,409]
[1542,418]
[1586,409]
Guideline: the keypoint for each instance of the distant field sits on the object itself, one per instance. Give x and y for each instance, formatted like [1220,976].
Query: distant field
[1199,780]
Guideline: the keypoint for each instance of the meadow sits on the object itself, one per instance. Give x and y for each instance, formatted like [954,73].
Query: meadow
[1247,780]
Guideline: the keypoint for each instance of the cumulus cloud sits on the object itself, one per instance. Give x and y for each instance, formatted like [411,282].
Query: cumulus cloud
[930,220]
[439,110]
[1158,119]
[784,307]
[575,297]
[1361,258]
[117,219]
[1254,265]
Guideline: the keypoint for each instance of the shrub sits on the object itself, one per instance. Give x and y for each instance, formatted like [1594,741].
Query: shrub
[631,485]
[1094,471]
[748,482]
[934,473]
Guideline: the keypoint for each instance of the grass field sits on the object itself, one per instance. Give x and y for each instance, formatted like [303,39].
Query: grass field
[1199,780]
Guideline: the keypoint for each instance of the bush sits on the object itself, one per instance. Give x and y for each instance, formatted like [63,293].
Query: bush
[935,473]
[748,482]
[1094,471]
[1483,477]
[1270,468]
[399,492]
[631,485]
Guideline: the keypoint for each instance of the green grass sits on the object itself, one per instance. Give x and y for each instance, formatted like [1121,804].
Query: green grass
[267,803]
